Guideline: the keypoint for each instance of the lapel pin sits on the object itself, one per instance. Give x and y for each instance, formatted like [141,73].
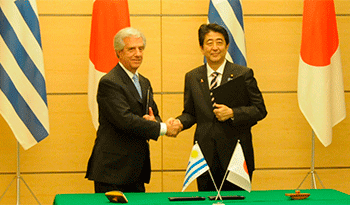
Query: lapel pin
[230,78]
[202,81]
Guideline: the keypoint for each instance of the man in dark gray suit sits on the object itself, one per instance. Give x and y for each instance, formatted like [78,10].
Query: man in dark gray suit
[128,119]
[219,126]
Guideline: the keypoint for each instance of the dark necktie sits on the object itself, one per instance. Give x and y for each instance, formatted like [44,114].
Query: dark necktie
[214,81]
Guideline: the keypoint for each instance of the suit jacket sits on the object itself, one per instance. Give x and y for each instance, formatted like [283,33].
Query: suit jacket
[221,137]
[121,151]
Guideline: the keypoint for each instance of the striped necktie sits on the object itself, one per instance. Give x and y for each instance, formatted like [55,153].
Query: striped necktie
[137,84]
[214,81]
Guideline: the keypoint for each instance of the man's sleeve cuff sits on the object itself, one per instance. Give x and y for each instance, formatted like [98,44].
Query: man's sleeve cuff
[163,129]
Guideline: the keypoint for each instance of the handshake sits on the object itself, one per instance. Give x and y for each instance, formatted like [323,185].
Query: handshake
[174,127]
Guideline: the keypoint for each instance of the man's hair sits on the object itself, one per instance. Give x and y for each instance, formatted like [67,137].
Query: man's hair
[124,33]
[204,29]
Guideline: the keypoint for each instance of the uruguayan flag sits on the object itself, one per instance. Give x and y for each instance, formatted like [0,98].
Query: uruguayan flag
[228,14]
[196,166]
[23,102]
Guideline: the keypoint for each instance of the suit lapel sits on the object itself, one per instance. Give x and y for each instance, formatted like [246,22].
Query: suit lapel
[204,85]
[229,73]
[130,84]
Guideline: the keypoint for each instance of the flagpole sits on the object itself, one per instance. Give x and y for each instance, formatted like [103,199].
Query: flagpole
[223,180]
[18,176]
[222,183]
[18,180]
[212,178]
[312,171]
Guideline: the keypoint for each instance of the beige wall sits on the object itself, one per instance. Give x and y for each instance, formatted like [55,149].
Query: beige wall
[282,141]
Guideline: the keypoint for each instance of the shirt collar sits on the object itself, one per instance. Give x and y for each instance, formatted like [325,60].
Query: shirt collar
[219,70]
[130,74]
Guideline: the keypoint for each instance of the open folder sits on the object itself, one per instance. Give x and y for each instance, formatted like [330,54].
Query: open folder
[232,94]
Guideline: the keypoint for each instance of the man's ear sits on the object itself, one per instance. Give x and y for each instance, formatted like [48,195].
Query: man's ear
[116,52]
[201,47]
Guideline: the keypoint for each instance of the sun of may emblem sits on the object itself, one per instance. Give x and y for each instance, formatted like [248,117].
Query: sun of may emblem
[194,154]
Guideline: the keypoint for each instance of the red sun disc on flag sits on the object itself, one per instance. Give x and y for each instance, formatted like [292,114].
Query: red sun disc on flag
[245,167]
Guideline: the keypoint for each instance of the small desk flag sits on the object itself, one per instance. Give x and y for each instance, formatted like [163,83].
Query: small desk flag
[196,166]
[238,171]
[23,102]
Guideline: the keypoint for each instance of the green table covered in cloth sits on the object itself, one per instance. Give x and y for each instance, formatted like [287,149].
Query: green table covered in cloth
[272,197]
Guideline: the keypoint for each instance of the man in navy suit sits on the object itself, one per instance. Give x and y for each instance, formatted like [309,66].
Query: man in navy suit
[219,126]
[128,119]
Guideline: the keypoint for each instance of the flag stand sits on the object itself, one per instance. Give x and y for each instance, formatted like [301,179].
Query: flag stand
[212,178]
[18,180]
[312,172]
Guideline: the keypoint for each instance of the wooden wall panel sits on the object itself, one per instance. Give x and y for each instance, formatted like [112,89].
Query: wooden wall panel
[66,52]
[343,23]
[342,6]
[278,179]
[273,46]
[155,184]
[156,147]
[83,7]
[141,7]
[282,141]
[47,186]
[8,144]
[151,64]
[173,182]
[337,179]
[272,7]
[185,7]
[176,151]
[284,133]
[71,138]
[181,51]
[337,153]
[66,7]
[250,7]
[5,183]
[282,136]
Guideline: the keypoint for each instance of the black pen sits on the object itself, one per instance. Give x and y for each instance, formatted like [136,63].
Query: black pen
[147,102]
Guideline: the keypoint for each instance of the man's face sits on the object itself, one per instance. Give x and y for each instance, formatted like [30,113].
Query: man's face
[132,54]
[214,48]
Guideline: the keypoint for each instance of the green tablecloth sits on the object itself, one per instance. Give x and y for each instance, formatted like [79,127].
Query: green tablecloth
[272,197]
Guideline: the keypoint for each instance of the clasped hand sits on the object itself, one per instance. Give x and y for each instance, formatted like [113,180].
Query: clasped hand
[222,112]
[150,115]
[174,127]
